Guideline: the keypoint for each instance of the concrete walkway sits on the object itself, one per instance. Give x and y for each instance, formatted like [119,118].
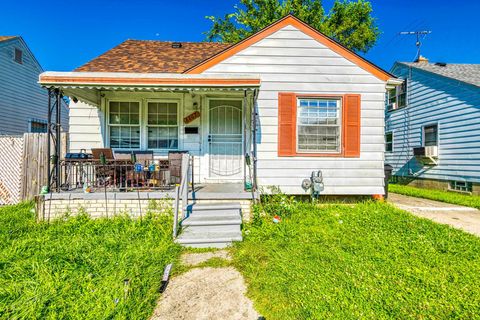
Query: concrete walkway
[465,218]
[206,292]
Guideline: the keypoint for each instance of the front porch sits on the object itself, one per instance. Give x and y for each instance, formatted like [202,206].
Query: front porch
[210,117]
[107,204]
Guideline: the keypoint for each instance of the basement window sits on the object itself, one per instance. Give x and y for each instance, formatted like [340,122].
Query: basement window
[461,186]
[18,56]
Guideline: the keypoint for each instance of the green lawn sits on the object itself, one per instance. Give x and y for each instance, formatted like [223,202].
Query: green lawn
[81,268]
[368,260]
[439,195]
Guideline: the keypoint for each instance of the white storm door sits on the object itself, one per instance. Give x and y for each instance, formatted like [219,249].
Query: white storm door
[225,139]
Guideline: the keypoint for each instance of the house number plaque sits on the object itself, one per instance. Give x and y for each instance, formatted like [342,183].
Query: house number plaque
[191,117]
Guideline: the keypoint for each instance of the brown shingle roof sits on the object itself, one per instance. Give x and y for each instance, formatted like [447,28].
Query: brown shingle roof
[145,56]
[4,38]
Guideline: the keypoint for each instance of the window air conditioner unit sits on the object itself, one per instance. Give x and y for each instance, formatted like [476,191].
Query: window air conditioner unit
[426,155]
[392,106]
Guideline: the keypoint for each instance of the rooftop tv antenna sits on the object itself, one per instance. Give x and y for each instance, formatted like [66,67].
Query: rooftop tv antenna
[420,35]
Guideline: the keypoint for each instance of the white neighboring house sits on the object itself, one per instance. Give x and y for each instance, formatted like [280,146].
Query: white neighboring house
[23,102]
[320,106]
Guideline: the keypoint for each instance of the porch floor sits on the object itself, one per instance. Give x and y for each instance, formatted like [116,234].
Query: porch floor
[218,191]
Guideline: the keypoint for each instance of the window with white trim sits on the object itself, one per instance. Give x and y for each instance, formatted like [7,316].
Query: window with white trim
[389,141]
[319,125]
[462,186]
[124,125]
[397,97]
[162,125]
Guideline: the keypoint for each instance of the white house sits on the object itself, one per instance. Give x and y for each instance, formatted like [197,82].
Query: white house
[23,102]
[288,96]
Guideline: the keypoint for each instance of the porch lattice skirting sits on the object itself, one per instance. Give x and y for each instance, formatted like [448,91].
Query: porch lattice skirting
[55,206]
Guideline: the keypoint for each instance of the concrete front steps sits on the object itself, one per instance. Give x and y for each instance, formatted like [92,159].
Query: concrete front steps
[211,226]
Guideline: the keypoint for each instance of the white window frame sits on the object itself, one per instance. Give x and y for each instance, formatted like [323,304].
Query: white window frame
[108,125]
[452,186]
[399,90]
[438,133]
[393,139]
[340,125]
[145,124]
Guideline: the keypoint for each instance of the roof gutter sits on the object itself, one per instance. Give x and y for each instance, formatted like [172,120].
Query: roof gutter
[107,79]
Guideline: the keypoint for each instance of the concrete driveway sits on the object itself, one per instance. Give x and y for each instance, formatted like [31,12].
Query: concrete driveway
[465,218]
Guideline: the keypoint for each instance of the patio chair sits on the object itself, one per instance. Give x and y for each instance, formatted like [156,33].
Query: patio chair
[175,166]
[104,172]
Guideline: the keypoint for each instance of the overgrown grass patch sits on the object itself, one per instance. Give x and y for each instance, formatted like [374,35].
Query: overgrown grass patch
[364,261]
[82,268]
[438,195]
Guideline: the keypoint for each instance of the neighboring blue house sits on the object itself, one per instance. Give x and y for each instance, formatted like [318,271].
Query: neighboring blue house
[432,130]
[23,102]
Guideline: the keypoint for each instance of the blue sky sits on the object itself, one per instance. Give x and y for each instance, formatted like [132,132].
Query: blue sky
[66,34]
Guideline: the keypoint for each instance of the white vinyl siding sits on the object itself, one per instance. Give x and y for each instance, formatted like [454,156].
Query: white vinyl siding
[21,97]
[291,61]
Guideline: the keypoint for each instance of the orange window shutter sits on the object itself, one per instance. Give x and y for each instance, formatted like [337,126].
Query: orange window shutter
[351,123]
[287,110]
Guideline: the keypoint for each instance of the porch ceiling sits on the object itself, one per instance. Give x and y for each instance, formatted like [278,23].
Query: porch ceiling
[87,85]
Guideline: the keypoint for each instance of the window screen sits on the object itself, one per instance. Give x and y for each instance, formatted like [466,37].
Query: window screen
[318,125]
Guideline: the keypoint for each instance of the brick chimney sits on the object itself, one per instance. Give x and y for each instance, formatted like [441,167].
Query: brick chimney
[421,59]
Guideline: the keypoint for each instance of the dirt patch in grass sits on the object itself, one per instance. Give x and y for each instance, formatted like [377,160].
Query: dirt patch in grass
[206,293]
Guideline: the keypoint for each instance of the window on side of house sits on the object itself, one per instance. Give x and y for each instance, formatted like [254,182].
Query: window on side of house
[319,125]
[18,56]
[462,186]
[397,97]
[430,135]
[389,141]
[162,125]
[124,125]
[38,126]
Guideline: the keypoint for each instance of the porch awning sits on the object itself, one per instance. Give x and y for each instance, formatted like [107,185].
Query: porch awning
[87,85]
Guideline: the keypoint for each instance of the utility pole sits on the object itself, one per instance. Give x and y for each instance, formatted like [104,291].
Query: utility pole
[418,43]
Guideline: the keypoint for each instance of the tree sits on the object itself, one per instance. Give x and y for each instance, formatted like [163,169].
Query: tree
[349,23]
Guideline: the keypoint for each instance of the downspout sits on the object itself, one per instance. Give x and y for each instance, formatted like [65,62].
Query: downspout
[244,124]
[254,138]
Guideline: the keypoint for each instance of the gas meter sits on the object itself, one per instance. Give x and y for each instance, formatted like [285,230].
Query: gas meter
[314,184]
